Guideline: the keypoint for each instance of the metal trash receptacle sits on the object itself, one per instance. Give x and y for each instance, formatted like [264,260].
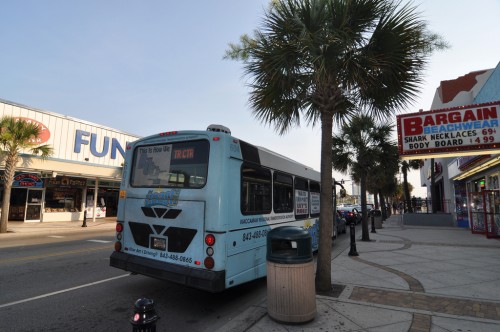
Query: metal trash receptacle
[378,218]
[291,291]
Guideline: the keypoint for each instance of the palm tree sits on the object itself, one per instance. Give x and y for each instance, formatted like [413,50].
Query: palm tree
[322,60]
[407,165]
[381,179]
[16,136]
[360,147]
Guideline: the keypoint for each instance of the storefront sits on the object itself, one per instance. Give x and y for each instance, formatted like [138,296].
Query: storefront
[482,202]
[467,134]
[87,159]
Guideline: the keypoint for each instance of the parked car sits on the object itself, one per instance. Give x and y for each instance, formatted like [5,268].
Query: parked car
[350,213]
[341,223]
[369,207]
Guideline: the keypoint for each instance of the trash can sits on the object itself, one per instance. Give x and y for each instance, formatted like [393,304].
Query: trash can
[378,218]
[291,292]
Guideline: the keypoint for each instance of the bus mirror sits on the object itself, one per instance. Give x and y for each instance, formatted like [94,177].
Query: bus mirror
[342,192]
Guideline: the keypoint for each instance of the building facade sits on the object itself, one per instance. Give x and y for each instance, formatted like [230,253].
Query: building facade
[82,175]
[467,187]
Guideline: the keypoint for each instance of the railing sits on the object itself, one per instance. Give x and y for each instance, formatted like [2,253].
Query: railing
[419,205]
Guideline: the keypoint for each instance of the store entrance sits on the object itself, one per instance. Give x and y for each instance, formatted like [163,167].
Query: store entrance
[34,205]
[106,205]
[25,204]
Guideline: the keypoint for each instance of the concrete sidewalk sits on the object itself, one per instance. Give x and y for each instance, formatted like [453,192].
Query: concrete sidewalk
[30,233]
[406,279]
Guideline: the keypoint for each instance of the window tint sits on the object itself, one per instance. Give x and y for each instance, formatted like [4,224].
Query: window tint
[255,190]
[301,198]
[282,192]
[315,191]
[178,165]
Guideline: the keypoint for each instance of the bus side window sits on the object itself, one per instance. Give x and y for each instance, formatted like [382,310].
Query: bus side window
[314,194]
[301,198]
[255,190]
[282,192]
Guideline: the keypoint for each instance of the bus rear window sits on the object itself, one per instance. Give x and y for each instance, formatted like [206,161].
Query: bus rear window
[177,165]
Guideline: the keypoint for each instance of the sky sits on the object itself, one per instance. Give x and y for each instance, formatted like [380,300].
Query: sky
[144,67]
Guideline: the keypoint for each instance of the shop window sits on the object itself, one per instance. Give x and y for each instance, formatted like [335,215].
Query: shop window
[63,199]
[17,203]
[493,182]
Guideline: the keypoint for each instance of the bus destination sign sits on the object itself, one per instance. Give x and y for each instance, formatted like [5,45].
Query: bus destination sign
[184,153]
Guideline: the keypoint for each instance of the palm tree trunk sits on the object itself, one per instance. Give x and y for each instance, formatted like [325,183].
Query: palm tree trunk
[433,184]
[365,232]
[407,191]
[383,208]
[5,207]
[323,269]
[10,170]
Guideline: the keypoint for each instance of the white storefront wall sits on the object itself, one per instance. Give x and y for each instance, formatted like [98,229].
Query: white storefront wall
[81,149]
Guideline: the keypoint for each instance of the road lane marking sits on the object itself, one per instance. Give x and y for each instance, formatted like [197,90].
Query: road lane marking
[69,252]
[62,291]
[56,236]
[99,241]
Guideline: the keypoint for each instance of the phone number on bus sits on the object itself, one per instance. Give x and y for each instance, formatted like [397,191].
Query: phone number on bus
[176,257]
[255,235]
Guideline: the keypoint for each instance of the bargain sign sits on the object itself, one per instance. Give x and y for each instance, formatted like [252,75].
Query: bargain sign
[463,130]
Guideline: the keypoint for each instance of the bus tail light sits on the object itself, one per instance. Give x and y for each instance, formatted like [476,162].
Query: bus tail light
[168,133]
[119,230]
[209,263]
[210,239]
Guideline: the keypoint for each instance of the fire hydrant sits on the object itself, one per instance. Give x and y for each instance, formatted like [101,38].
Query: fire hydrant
[145,317]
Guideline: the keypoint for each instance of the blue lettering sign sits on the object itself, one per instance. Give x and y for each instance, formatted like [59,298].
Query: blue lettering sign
[79,140]
[115,145]
[82,138]
[105,146]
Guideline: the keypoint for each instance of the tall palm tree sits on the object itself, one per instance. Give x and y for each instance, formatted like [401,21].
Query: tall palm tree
[322,60]
[360,147]
[382,177]
[407,165]
[17,136]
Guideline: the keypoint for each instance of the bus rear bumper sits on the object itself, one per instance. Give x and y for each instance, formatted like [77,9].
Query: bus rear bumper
[212,281]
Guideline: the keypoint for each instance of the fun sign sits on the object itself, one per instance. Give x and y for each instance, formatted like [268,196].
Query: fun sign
[455,131]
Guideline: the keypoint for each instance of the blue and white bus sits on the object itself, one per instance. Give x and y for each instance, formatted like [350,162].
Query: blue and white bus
[196,206]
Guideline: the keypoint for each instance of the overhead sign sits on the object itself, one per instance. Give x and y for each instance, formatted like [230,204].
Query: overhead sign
[44,135]
[459,131]
[27,180]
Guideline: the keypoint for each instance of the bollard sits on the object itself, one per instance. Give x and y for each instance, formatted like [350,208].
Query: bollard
[353,251]
[84,218]
[144,318]
[372,214]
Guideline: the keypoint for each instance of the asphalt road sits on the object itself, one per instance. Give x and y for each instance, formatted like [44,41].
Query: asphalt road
[68,286]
